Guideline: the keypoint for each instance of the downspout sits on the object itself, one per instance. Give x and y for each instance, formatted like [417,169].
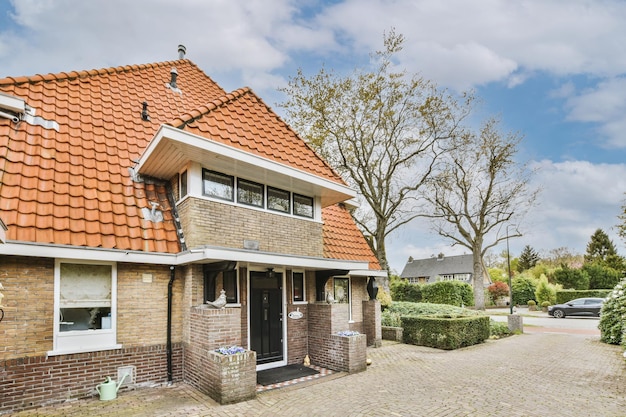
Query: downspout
[169,323]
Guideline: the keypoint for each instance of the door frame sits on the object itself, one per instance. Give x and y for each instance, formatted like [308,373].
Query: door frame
[284,310]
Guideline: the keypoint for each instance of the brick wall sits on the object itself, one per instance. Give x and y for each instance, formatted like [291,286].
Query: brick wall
[209,330]
[339,353]
[372,322]
[207,222]
[33,381]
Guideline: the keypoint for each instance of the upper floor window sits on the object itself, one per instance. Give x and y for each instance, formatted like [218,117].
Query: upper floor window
[218,185]
[183,184]
[302,205]
[250,193]
[278,200]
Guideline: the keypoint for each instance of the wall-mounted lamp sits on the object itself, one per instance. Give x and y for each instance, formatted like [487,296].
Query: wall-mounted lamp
[270,273]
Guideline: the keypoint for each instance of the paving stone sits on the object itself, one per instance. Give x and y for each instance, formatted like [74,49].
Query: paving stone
[523,375]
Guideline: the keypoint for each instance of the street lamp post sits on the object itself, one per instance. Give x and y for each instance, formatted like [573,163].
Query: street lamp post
[508,260]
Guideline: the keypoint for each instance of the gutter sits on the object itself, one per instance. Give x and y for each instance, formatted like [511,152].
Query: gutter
[170,284]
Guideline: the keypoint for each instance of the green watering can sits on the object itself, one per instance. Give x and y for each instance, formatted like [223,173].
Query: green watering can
[108,389]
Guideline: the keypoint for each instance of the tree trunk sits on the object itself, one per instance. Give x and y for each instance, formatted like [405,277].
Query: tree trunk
[478,281]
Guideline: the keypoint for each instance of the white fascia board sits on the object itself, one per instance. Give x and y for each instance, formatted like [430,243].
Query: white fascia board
[264,258]
[368,273]
[84,253]
[203,255]
[167,132]
[3,232]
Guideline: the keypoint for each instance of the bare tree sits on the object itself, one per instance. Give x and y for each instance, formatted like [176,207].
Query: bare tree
[382,130]
[481,190]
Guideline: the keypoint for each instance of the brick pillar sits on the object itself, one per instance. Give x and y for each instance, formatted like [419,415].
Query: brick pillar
[372,323]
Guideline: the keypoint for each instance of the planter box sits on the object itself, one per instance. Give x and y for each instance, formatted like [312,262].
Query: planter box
[392,333]
[231,378]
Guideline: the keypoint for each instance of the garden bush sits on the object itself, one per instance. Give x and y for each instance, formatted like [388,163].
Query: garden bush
[601,276]
[523,289]
[613,317]
[498,329]
[445,331]
[384,298]
[498,290]
[571,278]
[455,293]
[403,290]
[545,291]
[563,296]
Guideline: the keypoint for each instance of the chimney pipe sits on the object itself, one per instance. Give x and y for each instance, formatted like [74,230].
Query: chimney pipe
[174,75]
[181,51]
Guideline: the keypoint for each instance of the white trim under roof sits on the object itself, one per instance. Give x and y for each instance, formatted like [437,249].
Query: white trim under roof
[12,103]
[3,232]
[200,255]
[173,148]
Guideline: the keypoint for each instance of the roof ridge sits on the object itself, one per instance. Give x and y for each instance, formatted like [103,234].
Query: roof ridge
[200,111]
[72,75]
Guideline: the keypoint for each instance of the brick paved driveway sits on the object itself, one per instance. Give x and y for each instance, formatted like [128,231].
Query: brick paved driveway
[527,375]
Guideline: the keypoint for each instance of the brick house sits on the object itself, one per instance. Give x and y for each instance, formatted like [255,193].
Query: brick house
[131,196]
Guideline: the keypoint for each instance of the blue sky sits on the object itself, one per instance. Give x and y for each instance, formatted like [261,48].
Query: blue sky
[552,70]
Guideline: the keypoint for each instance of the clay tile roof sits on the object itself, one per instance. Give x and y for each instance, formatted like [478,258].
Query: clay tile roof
[343,239]
[242,120]
[73,186]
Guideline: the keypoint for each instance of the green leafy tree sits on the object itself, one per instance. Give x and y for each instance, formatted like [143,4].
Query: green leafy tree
[383,130]
[481,188]
[527,259]
[571,278]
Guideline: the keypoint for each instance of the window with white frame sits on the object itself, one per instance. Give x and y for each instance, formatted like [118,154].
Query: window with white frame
[342,290]
[85,306]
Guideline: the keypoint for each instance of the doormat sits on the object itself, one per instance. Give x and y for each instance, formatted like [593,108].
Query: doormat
[284,373]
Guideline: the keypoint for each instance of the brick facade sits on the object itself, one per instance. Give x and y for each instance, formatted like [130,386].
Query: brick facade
[38,380]
[206,222]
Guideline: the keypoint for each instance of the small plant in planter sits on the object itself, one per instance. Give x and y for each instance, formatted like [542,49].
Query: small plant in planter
[532,305]
[348,333]
[544,306]
[232,350]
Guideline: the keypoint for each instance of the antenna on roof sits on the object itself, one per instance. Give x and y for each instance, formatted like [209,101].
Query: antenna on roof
[181,51]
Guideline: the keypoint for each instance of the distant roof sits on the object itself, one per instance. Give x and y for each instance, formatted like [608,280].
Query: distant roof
[443,265]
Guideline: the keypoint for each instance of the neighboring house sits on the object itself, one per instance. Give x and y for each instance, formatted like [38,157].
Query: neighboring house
[132,195]
[440,268]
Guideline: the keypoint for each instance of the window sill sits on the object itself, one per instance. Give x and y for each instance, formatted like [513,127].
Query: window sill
[84,350]
[235,305]
[299,303]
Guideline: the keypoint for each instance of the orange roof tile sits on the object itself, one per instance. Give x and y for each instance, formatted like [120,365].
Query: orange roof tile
[343,239]
[243,120]
[66,187]
[72,186]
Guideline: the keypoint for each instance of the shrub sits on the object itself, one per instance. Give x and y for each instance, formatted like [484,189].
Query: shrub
[523,289]
[403,290]
[404,308]
[571,278]
[390,318]
[545,304]
[563,296]
[601,276]
[498,329]
[545,292]
[613,317]
[531,303]
[384,298]
[498,290]
[455,293]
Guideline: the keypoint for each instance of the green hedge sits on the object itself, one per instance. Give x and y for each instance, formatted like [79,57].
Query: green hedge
[402,290]
[445,331]
[564,296]
[455,293]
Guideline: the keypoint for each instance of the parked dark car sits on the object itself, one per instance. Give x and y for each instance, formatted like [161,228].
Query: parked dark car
[577,307]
